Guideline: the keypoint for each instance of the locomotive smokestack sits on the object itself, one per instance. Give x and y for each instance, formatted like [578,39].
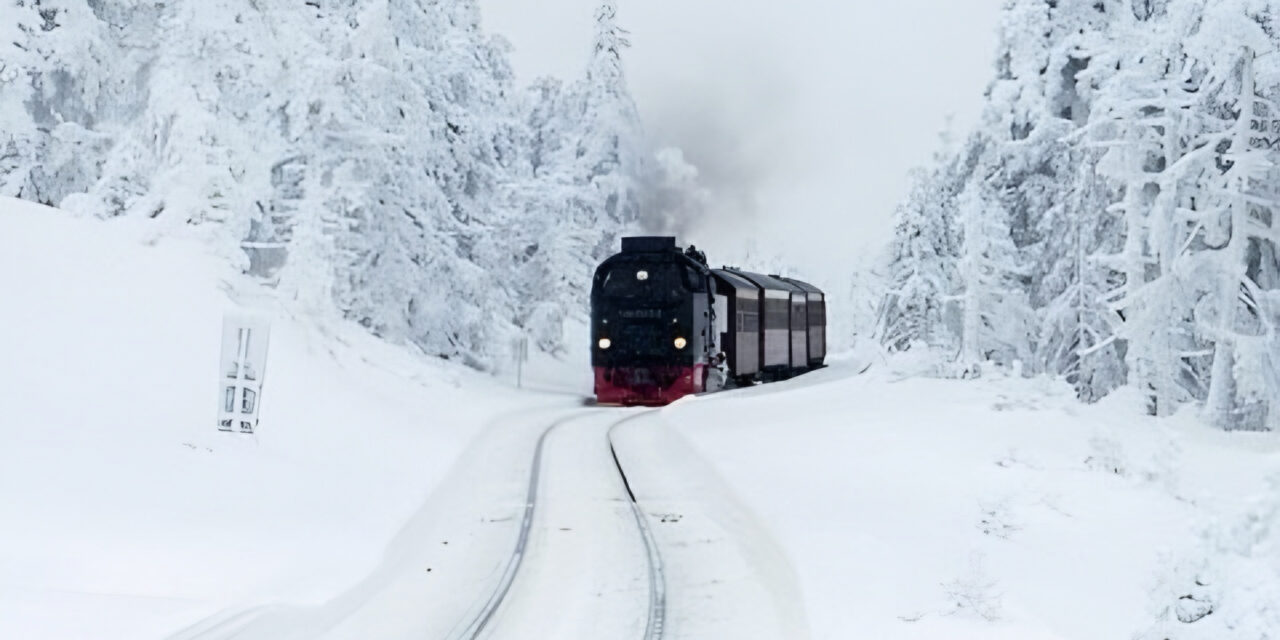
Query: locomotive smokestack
[648,244]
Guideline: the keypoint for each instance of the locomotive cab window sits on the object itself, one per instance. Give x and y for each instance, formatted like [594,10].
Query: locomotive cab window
[695,281]
[659,282]
[651,281]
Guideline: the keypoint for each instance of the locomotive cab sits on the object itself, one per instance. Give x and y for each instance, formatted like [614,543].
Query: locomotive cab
[652,319]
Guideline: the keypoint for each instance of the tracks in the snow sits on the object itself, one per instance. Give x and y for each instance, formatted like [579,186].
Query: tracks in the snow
[656,617]
[657,581]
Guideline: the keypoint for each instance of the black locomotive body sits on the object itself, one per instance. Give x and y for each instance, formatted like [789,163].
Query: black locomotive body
[651,336]
[665,325]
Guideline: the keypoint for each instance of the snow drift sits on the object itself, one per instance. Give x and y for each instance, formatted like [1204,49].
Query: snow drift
[127,514]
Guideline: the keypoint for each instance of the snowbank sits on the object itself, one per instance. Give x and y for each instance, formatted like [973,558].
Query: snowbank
[998,508]
[900,506]
[127,515]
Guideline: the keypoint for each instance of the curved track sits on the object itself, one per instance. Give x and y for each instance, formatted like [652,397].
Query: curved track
[656,616]
[657,619]
[482,619]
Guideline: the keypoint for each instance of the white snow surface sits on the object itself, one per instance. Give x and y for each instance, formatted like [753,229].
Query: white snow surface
[126,513]
[998,508]
[382,494]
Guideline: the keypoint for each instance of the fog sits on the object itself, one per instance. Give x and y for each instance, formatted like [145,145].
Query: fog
[803,118]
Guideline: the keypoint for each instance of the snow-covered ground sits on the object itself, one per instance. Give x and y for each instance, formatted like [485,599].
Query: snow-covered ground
[382,496]
[126,513]
[999,508]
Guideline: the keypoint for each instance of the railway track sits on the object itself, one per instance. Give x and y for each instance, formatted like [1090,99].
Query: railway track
[656,612]
[657,617]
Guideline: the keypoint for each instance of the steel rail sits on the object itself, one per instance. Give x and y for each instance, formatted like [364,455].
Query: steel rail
[655,625]
[473,630]
[656,617]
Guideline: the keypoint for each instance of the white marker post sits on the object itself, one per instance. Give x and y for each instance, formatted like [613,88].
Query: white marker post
[520,349]
[241,372]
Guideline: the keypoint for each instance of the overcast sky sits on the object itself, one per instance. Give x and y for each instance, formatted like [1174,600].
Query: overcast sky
[804,117]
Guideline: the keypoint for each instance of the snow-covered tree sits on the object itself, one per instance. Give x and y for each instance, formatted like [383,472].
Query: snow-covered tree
[1131,152]
[591,179]
[369,158]
[923,275]
[607,143]
[1077,332]
[1241,238]
[995,319]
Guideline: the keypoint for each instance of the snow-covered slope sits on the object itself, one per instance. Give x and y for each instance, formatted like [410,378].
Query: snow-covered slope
[381,496]
[999,508]
[126,514]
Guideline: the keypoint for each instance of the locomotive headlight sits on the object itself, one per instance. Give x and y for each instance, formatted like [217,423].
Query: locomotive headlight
[642,275]
[605,343]
[681,343]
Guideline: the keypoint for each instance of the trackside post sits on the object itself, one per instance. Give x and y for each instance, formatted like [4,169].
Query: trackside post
[520,351]
[241,371]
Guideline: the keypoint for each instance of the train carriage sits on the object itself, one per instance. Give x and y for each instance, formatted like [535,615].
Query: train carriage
[798,323]
[775,322]
[816,303]
[740,335]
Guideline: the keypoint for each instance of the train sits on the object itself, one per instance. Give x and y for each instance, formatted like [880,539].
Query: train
[664,325]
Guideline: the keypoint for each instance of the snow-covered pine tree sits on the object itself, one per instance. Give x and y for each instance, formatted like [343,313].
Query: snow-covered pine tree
[1238,205]
[1179,103]
[1077,332]
[417,126]
[590,180]
[553,241]
[370,153]
[56,74]
[996,323]
[602,148]
[1131,154]
[1031,105]
[922,270]
[1058,195]
[1134,120]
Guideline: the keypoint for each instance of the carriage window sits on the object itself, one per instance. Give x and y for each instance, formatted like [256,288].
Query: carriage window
[776,314]
[750,321]
[819,315]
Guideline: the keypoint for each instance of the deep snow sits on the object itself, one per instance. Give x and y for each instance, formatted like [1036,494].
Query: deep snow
[998,508]
[126,513]
[837,505]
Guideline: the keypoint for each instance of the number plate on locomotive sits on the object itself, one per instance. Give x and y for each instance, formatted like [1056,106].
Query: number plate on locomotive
[633,314]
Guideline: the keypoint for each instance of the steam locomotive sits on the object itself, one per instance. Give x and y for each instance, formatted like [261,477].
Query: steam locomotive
[665,325]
